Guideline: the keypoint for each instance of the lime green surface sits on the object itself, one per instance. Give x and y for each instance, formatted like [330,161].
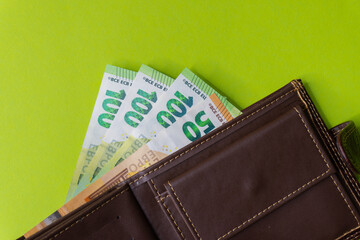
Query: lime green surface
[52,57]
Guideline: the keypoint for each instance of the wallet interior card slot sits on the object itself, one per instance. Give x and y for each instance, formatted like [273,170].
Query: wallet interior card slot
[280,168]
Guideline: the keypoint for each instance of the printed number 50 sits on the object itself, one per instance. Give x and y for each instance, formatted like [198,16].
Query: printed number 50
[191,130]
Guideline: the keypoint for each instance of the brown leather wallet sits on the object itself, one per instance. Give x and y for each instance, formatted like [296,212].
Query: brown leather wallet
[275,172]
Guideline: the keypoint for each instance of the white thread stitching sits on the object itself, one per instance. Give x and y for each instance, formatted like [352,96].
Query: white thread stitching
[290,194]
[352,212]
[274,204]
[156,189]
[337,131]
[177,198]
[162,198]
[171,216]
[337,156]
[352,236]
[332,147]
[167,209]
[307,129]
[350,231]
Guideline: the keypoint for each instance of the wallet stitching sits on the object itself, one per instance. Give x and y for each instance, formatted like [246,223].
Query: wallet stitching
[290,194]
[167,209]
[156,189]
[177,198]
[347,203]
[346,170]
[337,131]
[300,97]
[274,204]
[211,137]
[307,129]
[332,147]
[351,210]
[352,236]
[79,220]
[350,231]
[162,198]
[171,216]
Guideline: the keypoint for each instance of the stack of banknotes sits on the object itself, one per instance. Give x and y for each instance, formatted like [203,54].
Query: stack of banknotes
[140,118]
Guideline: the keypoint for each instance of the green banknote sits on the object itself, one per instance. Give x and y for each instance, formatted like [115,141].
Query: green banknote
[115,84]
[148,86]
[187,91]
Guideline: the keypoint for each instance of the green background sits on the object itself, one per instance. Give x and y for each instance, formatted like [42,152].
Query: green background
[52,58]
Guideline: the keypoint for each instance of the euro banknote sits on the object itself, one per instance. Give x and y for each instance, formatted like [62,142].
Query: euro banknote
[148,86]
[187,91]
[114,87]
[202,119]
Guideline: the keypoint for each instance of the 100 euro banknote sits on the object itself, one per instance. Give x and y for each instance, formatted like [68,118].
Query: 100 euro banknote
[115,84]
[186,92]
[202,119]
[148,85]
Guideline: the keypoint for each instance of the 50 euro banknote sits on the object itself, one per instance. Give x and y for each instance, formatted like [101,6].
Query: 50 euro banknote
[202,119]
[114,87]
[147,88]
[185,93]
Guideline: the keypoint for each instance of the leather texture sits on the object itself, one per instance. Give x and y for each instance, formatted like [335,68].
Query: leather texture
[274,172]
